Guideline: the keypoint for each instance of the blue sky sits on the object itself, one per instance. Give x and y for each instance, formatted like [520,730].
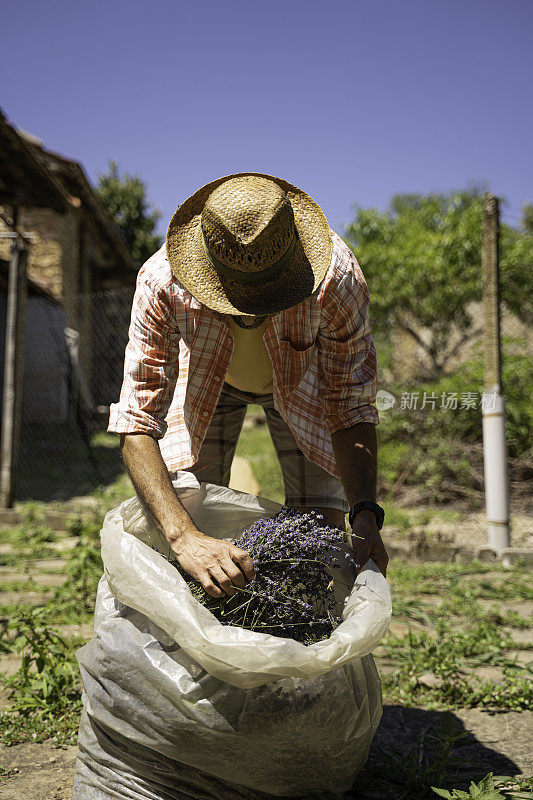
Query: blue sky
[352,101]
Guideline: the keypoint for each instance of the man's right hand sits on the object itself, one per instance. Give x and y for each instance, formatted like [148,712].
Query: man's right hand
[216,563]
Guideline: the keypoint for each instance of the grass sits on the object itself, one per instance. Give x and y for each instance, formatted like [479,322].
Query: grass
[45,692]
[461,580]
[102,498]
[23,586]
[411,775]
[459,633]
[454,611]
[257,447]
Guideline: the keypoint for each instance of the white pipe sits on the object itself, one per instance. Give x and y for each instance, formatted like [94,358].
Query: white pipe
[495,467]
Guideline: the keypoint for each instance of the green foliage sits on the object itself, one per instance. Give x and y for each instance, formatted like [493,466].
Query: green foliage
[484,790]
[422,261]
[30,541]
[527,218]
[256,446]
[411,775]
[47,675]
[6,773]
[441,448]
[124,198]
[432,578]
[45,691]
[84,569]
[436,666]
[516,269]
[515,788]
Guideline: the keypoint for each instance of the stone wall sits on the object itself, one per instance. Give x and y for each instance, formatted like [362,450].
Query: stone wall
[51,232]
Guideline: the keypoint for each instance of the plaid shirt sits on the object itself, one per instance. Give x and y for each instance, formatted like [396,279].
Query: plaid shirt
[322,351]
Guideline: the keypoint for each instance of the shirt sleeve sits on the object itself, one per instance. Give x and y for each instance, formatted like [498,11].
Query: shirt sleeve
[347,355]
[150,364]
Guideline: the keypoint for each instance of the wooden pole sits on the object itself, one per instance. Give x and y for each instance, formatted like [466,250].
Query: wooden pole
[493,407]
[13,369]
[491,292]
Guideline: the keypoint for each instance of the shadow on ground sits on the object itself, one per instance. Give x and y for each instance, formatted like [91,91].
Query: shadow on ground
[57,462]
[405,753]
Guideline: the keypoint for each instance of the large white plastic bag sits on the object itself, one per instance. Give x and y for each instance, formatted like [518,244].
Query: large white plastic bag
[235,655]
[162,672]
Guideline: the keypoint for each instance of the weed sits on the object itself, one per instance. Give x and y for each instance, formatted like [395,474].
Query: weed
[46,676]
[432,578]
[398,517]
[510,588]
[411,775]
[515,788]
[9,611]
[487,790]
[411,609]
[424,517]
[28,585]
[449,655]
[6,773]
[45,691]
[88,527]
[83,569]
[257,447]
[60,728]
[29,543]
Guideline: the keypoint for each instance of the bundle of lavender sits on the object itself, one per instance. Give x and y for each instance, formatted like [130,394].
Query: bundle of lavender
[298,559]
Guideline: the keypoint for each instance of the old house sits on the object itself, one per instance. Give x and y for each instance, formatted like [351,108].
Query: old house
[75,252]
[80,282]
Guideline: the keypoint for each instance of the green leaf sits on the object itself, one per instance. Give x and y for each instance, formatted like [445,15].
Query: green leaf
[485,784]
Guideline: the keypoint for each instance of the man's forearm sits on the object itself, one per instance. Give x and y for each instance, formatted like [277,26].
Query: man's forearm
[152,483]
[217,564]
[355,451]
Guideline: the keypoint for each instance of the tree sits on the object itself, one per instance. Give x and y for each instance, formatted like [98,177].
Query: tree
[422,262]
[527,218]
[124,198]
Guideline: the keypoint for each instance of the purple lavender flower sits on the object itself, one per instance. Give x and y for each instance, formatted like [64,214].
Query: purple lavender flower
[292,594]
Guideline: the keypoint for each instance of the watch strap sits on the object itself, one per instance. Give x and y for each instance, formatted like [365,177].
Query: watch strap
[368,505]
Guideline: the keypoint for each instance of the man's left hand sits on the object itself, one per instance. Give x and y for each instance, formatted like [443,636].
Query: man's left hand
[367,542]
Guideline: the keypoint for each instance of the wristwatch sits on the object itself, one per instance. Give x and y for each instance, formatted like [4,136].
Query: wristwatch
[370,505]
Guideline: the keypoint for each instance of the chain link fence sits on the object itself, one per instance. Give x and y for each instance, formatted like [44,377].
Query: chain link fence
[73,365]
[430,403]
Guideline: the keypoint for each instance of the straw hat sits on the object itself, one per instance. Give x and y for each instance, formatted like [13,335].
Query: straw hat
[249,244]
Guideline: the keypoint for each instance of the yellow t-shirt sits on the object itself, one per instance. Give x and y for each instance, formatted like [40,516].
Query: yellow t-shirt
[250,368]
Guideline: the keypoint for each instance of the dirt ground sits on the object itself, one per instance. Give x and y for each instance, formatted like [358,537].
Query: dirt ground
[499,743]
[37,772]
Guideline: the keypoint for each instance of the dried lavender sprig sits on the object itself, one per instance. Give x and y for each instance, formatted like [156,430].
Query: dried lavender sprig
[303,542]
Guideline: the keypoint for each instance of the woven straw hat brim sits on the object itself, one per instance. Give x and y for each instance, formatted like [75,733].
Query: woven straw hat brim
[298,279]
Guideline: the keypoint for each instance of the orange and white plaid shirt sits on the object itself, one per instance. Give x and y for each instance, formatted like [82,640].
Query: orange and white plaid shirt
[322,352]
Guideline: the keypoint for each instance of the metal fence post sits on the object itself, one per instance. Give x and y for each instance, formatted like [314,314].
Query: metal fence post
[493,409]
[13,368]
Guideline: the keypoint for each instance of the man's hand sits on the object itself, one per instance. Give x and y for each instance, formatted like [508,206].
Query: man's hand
[216,563]
[367,542]
[210,561]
